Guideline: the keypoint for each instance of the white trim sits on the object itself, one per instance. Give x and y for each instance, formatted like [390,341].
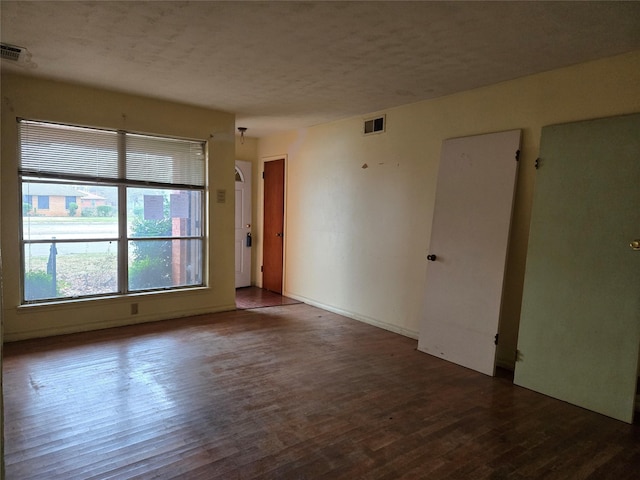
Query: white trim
[506,364]
[239,172]
[118,322]
[356,316]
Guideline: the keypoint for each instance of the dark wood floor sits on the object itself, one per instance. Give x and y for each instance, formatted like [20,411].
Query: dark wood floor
[254,297]
[288,392]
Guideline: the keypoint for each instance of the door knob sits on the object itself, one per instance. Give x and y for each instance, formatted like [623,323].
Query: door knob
[279,234]
[635,244]
[431,258]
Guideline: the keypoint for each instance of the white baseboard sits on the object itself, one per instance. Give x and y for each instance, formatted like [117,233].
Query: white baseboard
[506,364]
[355,316]
[116,322]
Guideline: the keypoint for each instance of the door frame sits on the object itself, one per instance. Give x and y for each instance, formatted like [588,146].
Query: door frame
[245,168]
[260,221]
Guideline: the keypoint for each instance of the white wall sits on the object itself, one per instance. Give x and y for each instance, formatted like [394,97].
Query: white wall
[356,239]
[61,102]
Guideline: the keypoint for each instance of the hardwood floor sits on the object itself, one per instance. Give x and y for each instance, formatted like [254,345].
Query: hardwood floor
[255,297]
[288,392]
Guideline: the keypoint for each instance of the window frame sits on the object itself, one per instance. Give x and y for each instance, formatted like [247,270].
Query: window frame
[124,238]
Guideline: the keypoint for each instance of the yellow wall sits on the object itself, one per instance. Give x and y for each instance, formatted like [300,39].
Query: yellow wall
[60,102]
[247,149]
[1,378]
[356,239]
[1,344]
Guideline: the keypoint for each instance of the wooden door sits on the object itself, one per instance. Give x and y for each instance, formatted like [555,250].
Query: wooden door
[468,249]
[243,240]
[273,244]
[580,321]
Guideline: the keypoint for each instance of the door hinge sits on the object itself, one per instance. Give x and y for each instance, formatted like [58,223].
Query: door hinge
[538,163]
[263,175]
[517,155]
[262,268]
[495,341]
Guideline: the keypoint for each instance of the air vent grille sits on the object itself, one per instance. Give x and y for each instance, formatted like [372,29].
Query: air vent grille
[10,52]
[375,125]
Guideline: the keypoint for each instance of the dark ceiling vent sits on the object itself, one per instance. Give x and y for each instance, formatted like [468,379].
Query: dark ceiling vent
[375,125]
[10,52]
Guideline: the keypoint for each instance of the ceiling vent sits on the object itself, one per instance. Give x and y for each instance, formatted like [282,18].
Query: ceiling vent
[10,52]
[19,56]
[375,125]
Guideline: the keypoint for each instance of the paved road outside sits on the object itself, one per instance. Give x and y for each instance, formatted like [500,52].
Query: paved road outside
[62,228]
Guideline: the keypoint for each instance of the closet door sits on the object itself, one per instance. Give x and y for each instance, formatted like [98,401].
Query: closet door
[468,249]
[580,323]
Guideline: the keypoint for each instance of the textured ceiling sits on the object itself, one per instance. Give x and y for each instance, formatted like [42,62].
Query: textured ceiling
[285,65]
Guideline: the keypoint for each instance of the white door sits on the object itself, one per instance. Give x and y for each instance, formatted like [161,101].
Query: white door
[243,224]
[468,249]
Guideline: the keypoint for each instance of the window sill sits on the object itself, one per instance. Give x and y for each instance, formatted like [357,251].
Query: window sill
[110,299]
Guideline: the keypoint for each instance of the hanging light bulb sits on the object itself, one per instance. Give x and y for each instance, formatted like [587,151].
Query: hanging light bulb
[242,130]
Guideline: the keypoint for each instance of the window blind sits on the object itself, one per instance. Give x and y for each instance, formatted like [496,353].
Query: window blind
[53,150]
[62,151]
[164,161]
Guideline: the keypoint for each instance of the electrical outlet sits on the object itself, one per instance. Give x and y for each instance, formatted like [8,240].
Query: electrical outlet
[134,309]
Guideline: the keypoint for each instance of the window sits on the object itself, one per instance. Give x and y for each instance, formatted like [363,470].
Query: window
[27,204]
[124,212]
[43,202]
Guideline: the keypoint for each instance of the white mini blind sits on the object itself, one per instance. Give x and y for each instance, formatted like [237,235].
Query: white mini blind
[166,161]
[79,153]
[54,150]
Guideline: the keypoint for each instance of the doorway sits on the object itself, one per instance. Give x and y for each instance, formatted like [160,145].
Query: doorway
[273,234]
[255,297]
[243,238]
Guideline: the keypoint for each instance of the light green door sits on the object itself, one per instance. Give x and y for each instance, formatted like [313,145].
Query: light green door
[580,323]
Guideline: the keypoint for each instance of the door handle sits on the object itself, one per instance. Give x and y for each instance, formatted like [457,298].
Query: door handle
[635,244]
[249,239]
[431,258]
[279,234]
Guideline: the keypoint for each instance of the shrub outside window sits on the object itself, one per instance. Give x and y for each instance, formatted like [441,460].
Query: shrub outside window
[124,212]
